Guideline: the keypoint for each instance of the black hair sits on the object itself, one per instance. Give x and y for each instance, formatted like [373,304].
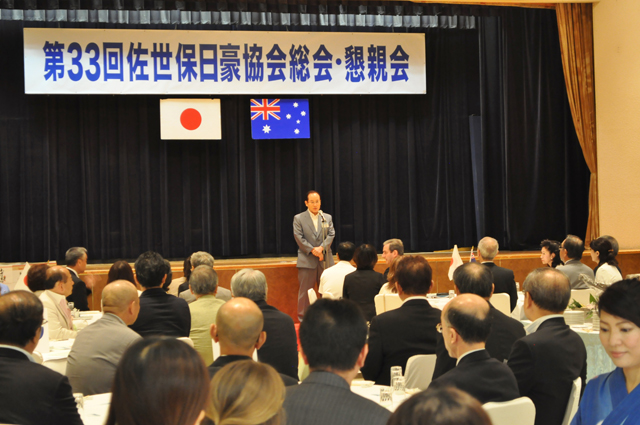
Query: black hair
[622,299]
[20,317]
[365,257]
[346,251]
[413,274]
[150,269]
[554,248]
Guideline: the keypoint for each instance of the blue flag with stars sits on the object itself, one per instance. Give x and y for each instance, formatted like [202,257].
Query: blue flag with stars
[280,119]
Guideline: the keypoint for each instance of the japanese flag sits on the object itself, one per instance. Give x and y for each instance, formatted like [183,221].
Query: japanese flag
[190,119]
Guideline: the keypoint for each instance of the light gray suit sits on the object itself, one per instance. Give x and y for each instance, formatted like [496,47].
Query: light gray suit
[93,359]
[573,269]
[223,294]
[325,398]
[309,266]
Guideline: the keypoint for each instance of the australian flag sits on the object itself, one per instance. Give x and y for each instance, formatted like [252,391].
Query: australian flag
[280,119]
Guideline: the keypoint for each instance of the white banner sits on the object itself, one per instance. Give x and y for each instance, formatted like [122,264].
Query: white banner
[95,61]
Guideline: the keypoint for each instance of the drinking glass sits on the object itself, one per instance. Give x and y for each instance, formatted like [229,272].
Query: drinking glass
[386,397]
[395,371]
[399,387]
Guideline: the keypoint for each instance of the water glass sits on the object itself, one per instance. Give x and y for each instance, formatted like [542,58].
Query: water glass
[79,398]
[452,293]
[399,387]
[395,371]
[70,305]
[386,397]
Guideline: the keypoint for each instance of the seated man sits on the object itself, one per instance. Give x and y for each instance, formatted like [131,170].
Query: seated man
[333,336]
[398,334]
[197,259]
[551,356]
[503,278]
[238,330]
[474,278]
[204,285]
[160,313]
[281,347]
[95,354]
[332,279]
[571,253]
[466,322]
[30,394]
[58,286]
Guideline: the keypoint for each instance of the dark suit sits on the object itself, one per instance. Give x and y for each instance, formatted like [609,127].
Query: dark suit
[281,348]
[505,331]
[398,334]
[32,394]
[80,293]
[361,287]
[162,314]
[325,398]
[484,378]
[222,361]
[545,364]
[504,282]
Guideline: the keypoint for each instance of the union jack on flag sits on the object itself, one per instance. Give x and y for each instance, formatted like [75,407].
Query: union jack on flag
[280,119]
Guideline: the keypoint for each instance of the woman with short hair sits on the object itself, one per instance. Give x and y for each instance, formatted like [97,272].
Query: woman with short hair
[364,284]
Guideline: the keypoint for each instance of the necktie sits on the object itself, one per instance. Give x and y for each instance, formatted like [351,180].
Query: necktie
[67,312]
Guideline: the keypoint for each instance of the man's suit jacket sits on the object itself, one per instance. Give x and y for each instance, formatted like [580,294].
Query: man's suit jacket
[504,282]
[505,331]
[281,347]
[59,326]
[80,293]
[573,269]
[222,361]
[32,394]
[398,334]
[95,354]
[545,364]
[325,398]
[203,314]
[361,287]
[162,314]
[484,378]
[308,238]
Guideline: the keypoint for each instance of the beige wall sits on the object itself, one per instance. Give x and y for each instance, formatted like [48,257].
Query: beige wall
[617,77]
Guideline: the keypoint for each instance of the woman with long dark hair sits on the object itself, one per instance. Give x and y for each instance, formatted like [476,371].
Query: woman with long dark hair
[602,253]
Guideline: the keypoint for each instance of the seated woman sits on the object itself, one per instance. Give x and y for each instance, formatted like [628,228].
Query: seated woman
[445,406]
[364,284]
[121,270]
[246,392]
[390,286]
[615,396]
[602,253]
[550,253]
[159,381]
[37,277]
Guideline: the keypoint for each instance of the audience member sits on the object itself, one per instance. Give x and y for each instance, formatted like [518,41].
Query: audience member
[391,249]
[398,334]
[37,278]
[30,394]
[167,281]
[445,406]
[121,270]
[364,284]
[550,253]
[246,393]
[76,261]
[280,350]
[333,336]
[159,381]
[201,258]
[571,253]
[95,353]
[160,313]
[503,280]
[332,279]
[602,253]
[58,286]
[174,288]
[465,327]
[615,397]
[390,287]
[551,356]
[238,330]
[204,285]
[616,247]
[474,278]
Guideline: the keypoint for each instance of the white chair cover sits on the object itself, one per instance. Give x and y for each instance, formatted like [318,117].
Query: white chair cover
[186,340]
[574,401]
[520,411]
[312,296]
[379,302]
[502,303]
[419,371]
[392,301]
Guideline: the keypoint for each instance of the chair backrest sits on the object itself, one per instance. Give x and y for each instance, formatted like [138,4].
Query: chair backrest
[186,340]
[574,401]
[419,371]
[378,300]
[581,295]
[502,303]
[392,301]
[520,411]
[312,296]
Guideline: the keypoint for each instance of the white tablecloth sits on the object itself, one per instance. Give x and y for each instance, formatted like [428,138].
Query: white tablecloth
[96,408]
[373,394]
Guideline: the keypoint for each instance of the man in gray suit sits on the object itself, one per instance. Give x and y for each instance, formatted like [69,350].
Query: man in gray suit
[333,337]
[95,354]
[571,253]
[201,258]
[314,233]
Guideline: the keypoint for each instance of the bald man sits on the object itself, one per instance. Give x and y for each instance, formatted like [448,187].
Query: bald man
[238,330]
[503,279]
[58,286]
[465,325]
[92,362]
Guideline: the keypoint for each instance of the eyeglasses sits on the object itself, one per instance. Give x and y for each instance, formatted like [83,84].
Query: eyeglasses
[439,328]
[44,322]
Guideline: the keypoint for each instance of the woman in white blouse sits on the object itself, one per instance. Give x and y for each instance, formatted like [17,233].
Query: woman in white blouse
[607,271]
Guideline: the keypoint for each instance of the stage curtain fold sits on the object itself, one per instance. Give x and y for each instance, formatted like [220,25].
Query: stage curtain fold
[575,28]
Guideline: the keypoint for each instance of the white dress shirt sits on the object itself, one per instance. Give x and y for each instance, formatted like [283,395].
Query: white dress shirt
[332,280]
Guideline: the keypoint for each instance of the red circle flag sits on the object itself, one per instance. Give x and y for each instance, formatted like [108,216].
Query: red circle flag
[190,119]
